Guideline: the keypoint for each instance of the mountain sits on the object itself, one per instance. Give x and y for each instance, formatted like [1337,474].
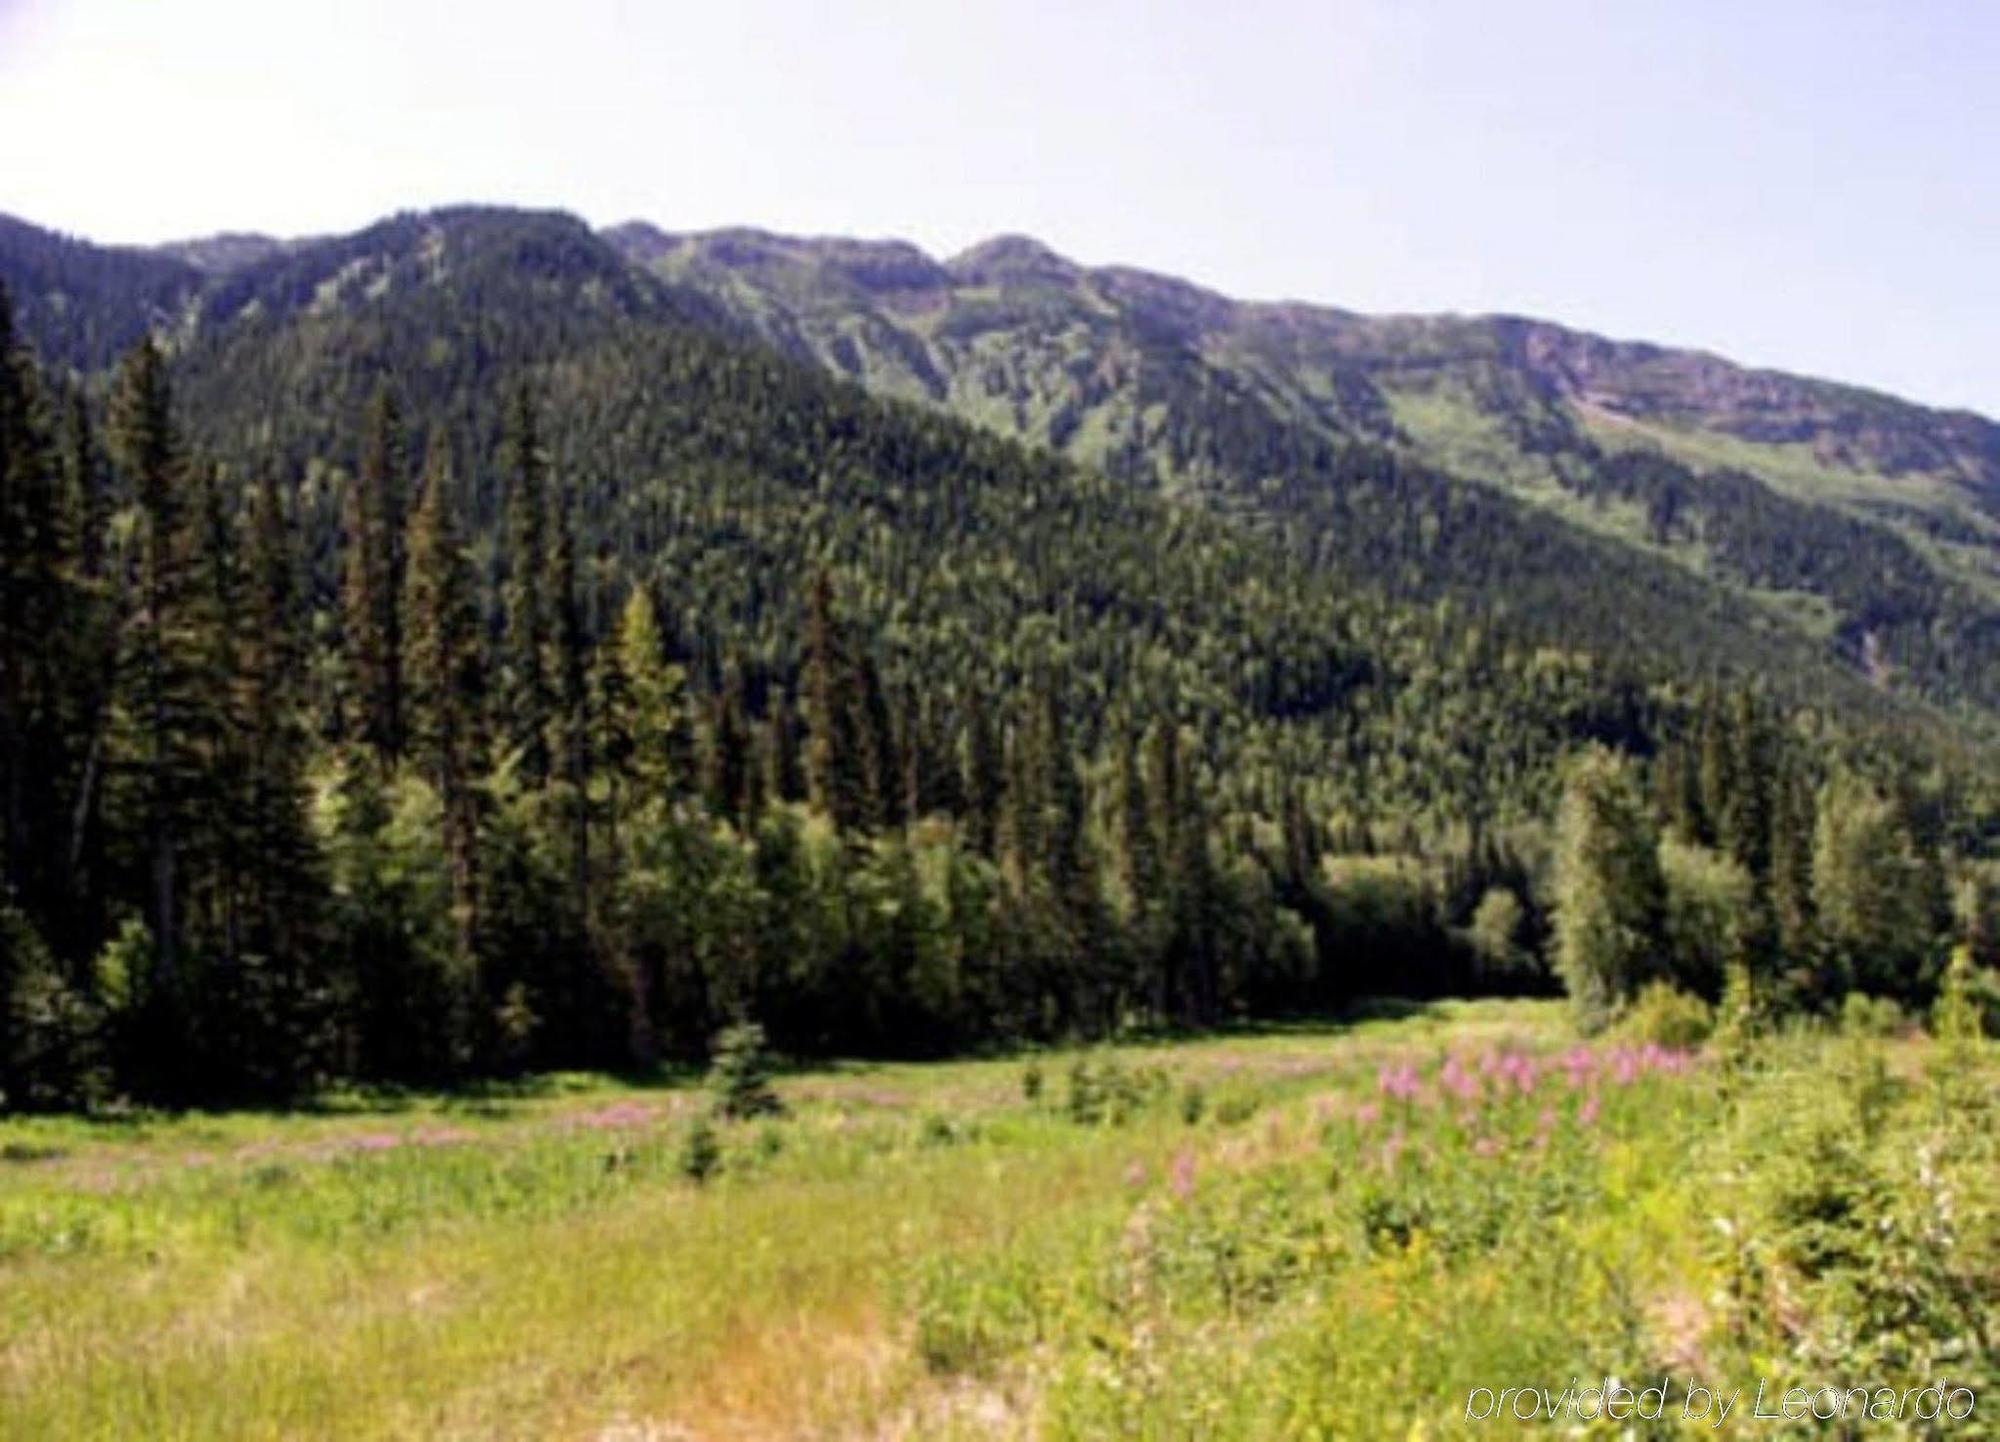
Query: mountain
[82,305]
[1864,523]
[1334,441]
[225,251]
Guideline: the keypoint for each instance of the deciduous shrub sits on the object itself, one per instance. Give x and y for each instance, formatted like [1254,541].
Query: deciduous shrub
[1667,1016]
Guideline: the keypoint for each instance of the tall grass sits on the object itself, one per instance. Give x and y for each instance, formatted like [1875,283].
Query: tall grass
[1349,1230]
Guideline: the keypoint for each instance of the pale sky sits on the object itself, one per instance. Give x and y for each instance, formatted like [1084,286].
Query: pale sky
[1812,184]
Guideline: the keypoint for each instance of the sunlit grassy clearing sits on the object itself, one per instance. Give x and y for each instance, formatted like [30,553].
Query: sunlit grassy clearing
[914,1250]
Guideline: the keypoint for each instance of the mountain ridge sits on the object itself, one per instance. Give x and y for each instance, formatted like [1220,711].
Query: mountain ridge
[1413,446]
[650,240]
[1866,521]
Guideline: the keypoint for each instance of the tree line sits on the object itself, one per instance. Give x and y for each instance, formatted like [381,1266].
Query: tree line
[440,765]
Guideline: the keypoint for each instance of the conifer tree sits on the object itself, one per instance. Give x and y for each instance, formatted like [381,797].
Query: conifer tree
[1793,824]
[1743,823]
[214,830]
[527,697]
[841,764]
[568,670]
[85,504]
[372,592]
[87,634]
[447,677]
[778,750]
[981,778]
[731,784]
[158,678]
[611,731]
[33,597]
[662,753]
[875,737]
[284,887]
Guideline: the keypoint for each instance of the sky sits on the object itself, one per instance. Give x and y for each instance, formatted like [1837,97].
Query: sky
[1809,184]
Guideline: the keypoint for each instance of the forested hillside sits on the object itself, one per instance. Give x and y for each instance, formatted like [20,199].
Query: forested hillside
[451,649]
[1868,526]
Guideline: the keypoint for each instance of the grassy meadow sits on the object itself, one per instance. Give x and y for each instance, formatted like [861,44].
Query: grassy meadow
[1311,1232]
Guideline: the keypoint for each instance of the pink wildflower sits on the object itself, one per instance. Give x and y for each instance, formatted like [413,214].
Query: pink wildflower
[1398,1081]
[1454,1078]
[1580,1063]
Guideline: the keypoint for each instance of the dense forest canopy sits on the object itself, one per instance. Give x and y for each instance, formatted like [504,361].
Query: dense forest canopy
[1866,525]
[453,649]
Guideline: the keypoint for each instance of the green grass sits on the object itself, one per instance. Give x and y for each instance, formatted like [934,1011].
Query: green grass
[922,1251]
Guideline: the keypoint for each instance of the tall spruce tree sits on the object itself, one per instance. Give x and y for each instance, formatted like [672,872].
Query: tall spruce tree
[159,679]
[291,998]
[34,582]
[730,780]
[662,748]
[842,764]
[447,676]
[372,592]
[568,672]
[981,771]
[527,699]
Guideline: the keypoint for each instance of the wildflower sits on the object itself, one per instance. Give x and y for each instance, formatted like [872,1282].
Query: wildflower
[1180,1180]
[1135,1175]
[1580,1064]
[1586,1115]
[1524,1072]
[1399,1081]
[1486,1147]
[1366,1114]
[1454,1078]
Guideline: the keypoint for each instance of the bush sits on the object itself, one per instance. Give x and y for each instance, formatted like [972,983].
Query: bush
[1031,1082]
[49,1032]
[1865,1015]
[1194,1102]
[1741,1019]
[1668,1017]
[701,1153]
[740,1074]
[1968,1003]
[1495,935]
[1110,1091]
[1085,1102]
[1236,1110]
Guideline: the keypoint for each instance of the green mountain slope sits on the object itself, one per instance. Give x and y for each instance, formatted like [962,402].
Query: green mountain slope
[648,383]
[1863,523]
